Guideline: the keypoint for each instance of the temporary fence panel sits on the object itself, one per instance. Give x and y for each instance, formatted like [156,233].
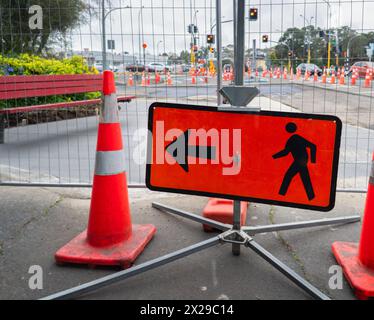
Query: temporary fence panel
[159,51]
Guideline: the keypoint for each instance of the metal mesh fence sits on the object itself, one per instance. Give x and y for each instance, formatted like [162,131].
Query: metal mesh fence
[304,56]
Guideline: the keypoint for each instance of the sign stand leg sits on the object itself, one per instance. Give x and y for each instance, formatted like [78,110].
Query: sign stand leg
[237,236]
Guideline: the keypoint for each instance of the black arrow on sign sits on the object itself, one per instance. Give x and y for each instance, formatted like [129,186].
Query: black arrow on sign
[180,150]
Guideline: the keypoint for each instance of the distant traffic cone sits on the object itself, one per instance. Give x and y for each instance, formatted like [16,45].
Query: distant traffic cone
[306,75]
[356,260]
[271,75]
[285,74]
[157,78]
[148,79]
[169,80]
[367,83]
[342,77]
[193,79]
[278,73]
[354,77]
[110,239]
[315,76]
[144,81]
[324,76]
[332,79]
[298,74]
[130,82]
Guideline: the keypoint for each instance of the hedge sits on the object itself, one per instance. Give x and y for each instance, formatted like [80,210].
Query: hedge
[26,64]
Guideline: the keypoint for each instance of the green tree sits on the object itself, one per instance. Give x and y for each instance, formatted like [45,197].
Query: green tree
[59,16]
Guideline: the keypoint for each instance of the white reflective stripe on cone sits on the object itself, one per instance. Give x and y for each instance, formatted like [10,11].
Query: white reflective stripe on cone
[110,163]
[109,109]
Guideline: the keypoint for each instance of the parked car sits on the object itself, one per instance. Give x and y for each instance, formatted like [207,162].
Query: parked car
[311,68]
[99,67]
[159,67]
[135,67]
[362,67]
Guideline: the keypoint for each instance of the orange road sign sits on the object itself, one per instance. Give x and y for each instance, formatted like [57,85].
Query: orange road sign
[288,159]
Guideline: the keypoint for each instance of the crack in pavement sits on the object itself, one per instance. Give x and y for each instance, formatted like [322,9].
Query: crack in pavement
[290,249]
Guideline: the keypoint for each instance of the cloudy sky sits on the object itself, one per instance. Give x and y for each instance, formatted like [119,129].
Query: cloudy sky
[164,22]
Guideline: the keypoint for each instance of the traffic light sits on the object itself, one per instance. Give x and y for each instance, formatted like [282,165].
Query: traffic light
[210,39]
[265,38]
[290,54]
[211,50]
[253,13]
[195,48]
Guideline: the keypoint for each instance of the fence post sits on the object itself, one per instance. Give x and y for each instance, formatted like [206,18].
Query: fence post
[2,128]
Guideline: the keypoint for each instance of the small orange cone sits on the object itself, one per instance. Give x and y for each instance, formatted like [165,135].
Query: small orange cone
[222,210]
[144,81]
[315,76]
[368,78]
[285,74]
[324,76]
[169,80]
[193,79]
[110,239]
[354,77]
[342,77]
[298,74]
[332,79]
[130,82]
[358,260]
[157,78]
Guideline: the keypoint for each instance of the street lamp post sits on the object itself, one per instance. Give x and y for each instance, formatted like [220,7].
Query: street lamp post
[309,22]
[329,35]
[158,48]
[104,16]
[140,24]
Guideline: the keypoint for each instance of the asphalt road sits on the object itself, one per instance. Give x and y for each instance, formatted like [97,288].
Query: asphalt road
[64,152]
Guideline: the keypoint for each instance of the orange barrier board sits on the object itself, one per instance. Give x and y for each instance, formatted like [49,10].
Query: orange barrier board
[288,159]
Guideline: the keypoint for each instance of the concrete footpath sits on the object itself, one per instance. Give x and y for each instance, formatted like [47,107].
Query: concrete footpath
[35,222]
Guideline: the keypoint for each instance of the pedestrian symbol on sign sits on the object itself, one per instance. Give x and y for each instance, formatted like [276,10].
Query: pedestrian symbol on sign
[297,146]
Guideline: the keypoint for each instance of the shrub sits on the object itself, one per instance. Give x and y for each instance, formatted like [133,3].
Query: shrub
[26,64]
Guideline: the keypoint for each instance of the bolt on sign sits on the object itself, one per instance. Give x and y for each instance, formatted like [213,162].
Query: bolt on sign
[288,159]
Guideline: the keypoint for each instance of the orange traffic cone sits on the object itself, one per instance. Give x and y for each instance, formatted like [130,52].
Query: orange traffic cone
[306,75]
[285,74]
[222,210]
[354,77]
[110,239]
[342,77]
[332,79]
[324,76]
[144,81]
[193,79]
[157,78]
[271,73]
[130,81]
[315,76]
[358,260]
[368,78]
[298,74]
[169,80]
